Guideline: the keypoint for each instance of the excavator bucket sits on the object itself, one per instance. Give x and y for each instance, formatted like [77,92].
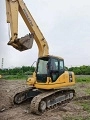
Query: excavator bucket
[23,43]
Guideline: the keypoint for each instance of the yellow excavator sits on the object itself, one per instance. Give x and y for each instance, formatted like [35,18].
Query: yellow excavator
[50,83]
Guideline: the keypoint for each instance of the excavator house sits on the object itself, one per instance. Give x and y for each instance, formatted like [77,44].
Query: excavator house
[49,85]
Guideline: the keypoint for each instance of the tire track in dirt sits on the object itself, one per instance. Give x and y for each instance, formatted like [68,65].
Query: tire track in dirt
[82,98]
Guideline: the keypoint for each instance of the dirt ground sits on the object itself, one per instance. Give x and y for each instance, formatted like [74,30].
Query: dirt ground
[70,111]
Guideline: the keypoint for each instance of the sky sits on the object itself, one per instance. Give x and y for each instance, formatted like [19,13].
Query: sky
[64,23]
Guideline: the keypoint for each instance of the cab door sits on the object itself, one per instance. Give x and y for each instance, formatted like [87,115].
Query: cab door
[56,68]
[61,67]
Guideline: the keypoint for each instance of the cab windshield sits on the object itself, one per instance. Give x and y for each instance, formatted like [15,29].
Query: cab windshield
[42,66]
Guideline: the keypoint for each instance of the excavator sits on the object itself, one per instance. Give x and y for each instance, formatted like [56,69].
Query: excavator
[49,84]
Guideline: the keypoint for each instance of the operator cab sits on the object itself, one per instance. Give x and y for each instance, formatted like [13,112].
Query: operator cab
[49,66]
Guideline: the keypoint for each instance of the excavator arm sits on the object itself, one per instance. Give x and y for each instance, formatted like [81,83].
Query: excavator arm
[24,43]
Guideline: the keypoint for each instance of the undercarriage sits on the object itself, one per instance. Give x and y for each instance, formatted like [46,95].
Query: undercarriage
[42,100]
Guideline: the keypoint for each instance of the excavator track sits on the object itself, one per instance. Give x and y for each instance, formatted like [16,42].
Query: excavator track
[26,94]
[42,100]
[48,100]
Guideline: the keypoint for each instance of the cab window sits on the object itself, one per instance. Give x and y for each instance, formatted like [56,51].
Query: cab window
[61,63]
[54,64]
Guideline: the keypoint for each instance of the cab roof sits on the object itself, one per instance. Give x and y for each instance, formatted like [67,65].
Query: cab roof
[52,56]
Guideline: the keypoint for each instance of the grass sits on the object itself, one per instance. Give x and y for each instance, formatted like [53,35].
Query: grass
[83,78]
[15,77]
[77,118]
[87,91]
[86,106]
